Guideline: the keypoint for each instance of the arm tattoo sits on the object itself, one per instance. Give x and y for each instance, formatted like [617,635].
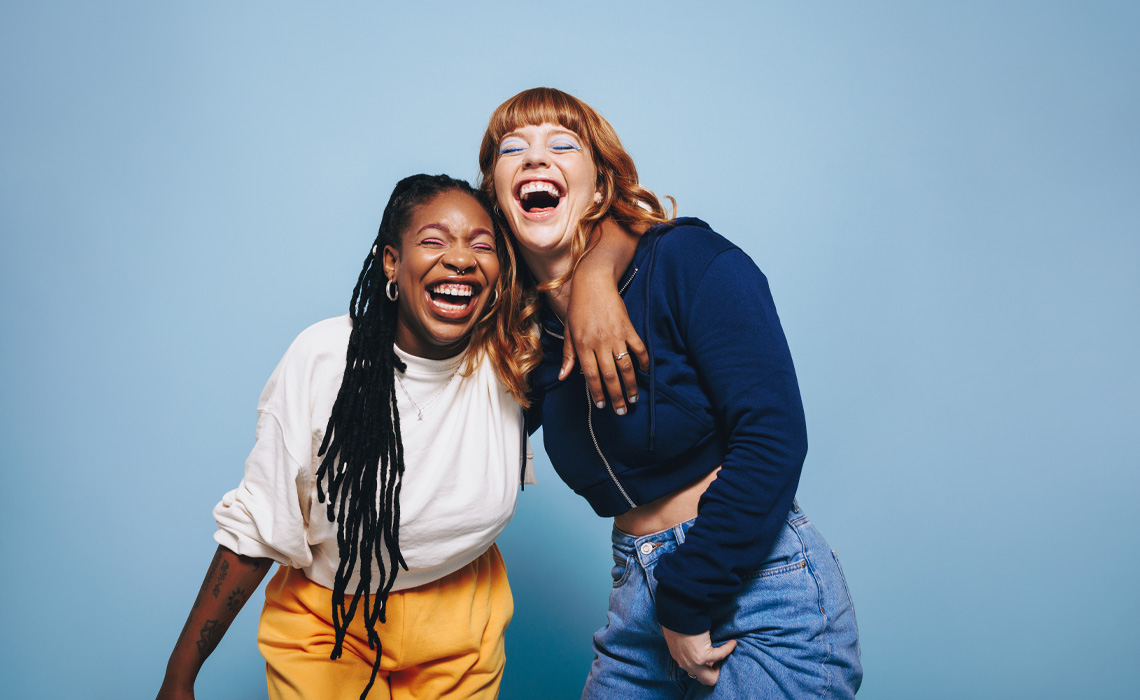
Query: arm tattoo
[206,581]
[209,637]
[222,570]
[235,601]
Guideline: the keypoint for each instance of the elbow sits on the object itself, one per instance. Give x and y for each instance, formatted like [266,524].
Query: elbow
[801,446]
[798,439]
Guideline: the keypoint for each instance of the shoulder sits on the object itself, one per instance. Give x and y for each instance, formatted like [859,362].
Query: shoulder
[689,239]
[315,357]
[320,340]
[689,244]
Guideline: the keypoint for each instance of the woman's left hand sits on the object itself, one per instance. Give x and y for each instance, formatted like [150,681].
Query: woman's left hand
[696,655]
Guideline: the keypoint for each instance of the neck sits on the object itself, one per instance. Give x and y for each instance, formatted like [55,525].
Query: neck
[546,270]
[407,341]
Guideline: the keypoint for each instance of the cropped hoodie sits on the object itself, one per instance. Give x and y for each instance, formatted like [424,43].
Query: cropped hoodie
[720,390]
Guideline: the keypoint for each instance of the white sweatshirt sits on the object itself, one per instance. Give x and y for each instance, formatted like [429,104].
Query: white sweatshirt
[461,474]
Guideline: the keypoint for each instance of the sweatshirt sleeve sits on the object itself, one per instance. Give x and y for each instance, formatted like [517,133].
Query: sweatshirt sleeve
[733,337]
[265,516]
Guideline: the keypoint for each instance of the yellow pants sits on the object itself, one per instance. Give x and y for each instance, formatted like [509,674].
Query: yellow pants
[440,640]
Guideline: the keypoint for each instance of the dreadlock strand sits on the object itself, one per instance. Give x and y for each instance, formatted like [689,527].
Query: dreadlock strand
[362,454]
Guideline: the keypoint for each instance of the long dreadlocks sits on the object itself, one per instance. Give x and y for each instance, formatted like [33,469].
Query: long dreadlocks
[363,453]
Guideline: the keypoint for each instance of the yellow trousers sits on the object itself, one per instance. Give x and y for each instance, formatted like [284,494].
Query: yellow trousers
[441,640]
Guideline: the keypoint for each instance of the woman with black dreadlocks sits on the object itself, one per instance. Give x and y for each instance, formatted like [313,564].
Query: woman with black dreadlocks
[390,448]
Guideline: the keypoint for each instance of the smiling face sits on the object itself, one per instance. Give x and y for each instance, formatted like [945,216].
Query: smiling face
[445,269]
[545,180]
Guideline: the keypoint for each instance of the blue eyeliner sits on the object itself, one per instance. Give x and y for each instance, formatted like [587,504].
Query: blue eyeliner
[505,149]
[564,144]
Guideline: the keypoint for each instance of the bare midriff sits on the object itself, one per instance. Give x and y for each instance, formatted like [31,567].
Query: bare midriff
[665,512]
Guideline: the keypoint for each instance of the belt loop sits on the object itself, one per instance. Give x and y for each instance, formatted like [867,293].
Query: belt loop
[679,533]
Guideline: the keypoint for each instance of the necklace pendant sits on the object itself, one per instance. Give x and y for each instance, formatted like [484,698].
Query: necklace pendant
[420,409]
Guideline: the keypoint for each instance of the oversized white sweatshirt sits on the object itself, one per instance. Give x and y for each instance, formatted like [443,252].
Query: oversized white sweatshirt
[461,474]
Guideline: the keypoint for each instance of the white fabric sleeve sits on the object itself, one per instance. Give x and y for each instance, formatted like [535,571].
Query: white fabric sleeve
[265,516]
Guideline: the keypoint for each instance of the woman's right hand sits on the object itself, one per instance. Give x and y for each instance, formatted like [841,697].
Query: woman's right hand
[230,581]
[598,330]
[696,655]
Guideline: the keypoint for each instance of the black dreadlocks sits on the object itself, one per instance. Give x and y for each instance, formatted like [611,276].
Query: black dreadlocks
[363,453]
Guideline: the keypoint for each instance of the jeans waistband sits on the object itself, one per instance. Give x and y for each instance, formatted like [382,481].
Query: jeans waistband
[648,547]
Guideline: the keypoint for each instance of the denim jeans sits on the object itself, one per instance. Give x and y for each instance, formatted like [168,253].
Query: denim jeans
[793,622]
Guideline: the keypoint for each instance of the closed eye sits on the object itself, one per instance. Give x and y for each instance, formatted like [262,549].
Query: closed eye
[511,146]
[563,147]
[432,242]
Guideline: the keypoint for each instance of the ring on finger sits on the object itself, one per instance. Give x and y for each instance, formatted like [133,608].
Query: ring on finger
[690,675]
[620,355]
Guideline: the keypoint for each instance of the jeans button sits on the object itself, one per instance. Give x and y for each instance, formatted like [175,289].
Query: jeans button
[646,548]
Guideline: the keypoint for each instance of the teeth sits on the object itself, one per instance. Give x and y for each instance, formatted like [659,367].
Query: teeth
[449,307]
[538,186]
[455,290]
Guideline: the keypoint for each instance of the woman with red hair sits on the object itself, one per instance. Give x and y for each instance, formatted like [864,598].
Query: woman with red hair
[722,586]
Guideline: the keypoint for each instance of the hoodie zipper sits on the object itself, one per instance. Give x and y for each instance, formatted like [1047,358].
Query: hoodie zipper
[627,282]
[590,420]
[590,424]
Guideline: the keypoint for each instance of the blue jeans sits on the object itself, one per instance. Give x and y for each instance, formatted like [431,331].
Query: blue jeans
[792,619]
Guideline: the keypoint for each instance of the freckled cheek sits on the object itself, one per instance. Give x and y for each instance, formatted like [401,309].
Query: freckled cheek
[502,182]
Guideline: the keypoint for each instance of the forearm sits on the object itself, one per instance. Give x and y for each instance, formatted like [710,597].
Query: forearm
[748,377]
[229,582]
[598,330]
[607,260]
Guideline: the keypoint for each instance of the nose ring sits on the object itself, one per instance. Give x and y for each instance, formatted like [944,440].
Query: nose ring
[462,271]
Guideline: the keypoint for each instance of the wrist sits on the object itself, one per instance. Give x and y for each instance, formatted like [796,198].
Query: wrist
[181,670]
[177,684]
[599,272]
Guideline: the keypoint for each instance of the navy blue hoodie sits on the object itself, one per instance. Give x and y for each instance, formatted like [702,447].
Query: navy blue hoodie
[720,391]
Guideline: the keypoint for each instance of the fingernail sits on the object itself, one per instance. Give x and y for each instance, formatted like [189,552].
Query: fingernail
[633,399]
[601,404]
[620,411]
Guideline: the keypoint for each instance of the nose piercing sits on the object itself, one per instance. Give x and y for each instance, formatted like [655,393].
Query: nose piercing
[461,271]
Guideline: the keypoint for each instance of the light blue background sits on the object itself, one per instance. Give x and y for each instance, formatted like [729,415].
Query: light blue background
[945,196]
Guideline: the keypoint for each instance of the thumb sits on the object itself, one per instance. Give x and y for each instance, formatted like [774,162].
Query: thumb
[568,359]
[718,654]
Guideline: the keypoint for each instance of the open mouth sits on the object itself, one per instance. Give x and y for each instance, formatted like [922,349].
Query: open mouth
[539,196]
[453,297]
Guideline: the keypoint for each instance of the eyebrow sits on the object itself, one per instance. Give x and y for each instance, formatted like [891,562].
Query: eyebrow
[556,131]
[445,229]
[562,131]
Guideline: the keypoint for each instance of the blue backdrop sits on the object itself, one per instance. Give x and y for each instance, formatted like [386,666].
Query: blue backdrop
[943,195]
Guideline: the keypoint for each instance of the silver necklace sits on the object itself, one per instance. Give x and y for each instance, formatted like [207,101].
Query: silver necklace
[420,409]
